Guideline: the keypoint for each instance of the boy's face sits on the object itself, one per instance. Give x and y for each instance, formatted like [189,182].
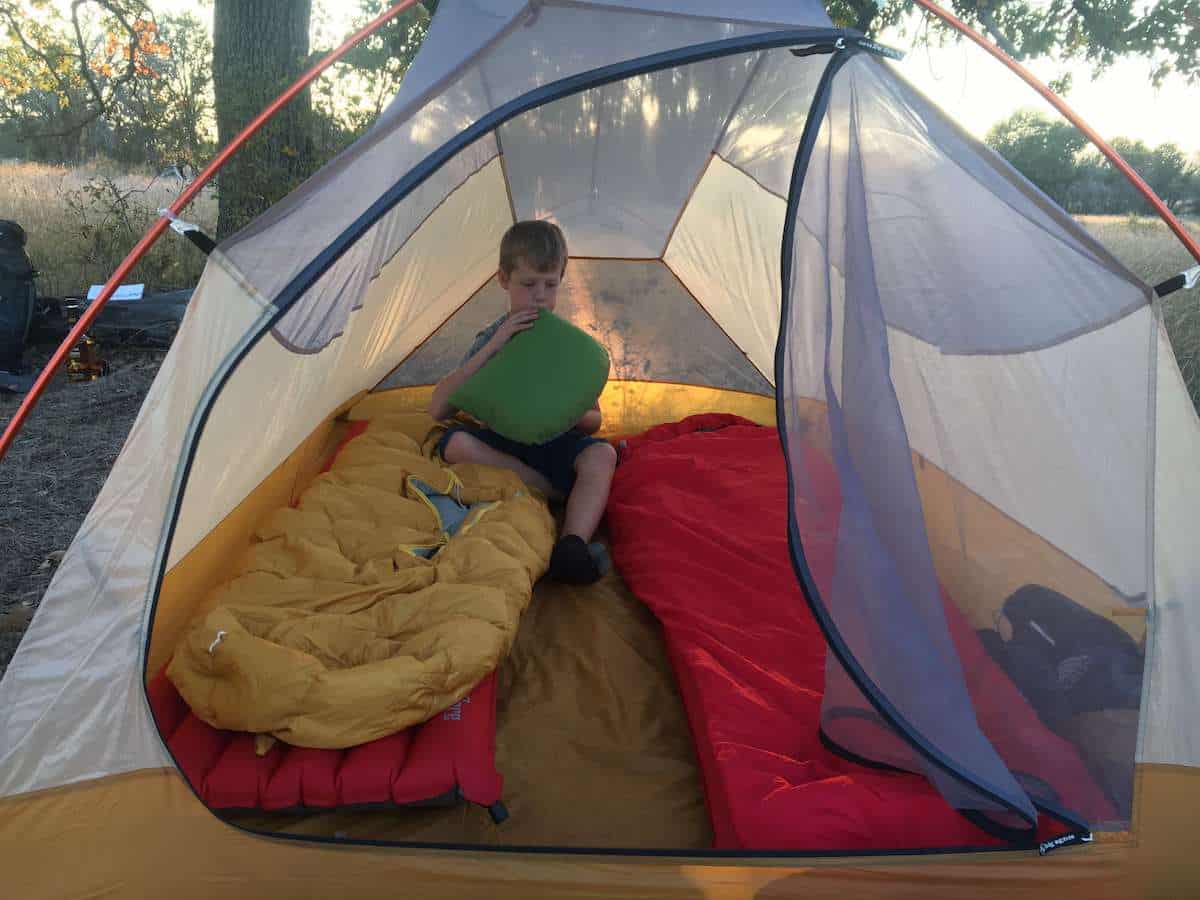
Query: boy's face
[530,289]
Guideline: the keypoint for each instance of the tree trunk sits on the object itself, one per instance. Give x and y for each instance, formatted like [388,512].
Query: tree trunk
[259,48]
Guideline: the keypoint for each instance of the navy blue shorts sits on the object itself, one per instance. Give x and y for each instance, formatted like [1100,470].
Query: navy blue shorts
[554,459]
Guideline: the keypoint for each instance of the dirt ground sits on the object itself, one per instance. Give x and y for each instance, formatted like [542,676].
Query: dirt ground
[51,476]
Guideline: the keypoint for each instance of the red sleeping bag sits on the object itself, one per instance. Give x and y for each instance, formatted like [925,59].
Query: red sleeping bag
[449,758]
[698,522]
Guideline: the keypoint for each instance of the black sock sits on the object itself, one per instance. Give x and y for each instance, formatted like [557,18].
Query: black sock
[572,561]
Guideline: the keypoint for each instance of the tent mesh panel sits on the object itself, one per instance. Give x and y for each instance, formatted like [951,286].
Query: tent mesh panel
[654,330]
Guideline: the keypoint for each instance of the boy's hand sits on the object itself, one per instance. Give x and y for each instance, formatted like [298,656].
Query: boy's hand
[513,325]
[439,404]
[589,423]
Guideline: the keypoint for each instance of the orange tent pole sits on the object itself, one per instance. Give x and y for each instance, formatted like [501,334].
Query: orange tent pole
[1057,102]
[160,225]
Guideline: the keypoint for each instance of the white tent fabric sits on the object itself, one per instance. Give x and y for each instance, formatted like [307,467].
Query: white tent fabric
[725,213]
[404,303]
[635,308]
[965,413]
[72,702]
[569,160]
[1173,665]
[689,165]
[460,31]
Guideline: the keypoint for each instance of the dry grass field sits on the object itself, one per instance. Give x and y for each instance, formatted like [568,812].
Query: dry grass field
[82,222]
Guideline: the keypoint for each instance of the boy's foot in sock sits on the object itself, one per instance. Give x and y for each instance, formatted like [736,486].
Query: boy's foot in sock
[576,562]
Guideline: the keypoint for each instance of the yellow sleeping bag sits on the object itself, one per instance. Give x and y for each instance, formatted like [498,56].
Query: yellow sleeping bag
[338,629]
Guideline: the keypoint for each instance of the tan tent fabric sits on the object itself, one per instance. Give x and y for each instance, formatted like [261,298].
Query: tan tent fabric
[1172,669]
[145,834]
[71,702]
[276,402]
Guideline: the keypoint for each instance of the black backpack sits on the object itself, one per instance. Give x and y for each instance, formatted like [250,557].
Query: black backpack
[17,295]
[1065,658]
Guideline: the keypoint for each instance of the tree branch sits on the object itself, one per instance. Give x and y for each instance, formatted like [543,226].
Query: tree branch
[866,15]
[62,84]
[992,28]
[100,102]
[1086,15]
[131,64]
[10,14]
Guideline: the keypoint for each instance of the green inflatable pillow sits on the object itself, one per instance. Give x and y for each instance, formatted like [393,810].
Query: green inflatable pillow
[539,384]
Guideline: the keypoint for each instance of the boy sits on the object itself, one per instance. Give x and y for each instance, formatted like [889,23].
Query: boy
[575,465]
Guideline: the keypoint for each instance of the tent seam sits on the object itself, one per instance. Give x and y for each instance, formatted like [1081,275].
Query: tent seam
[721,328]
[1150,655]
[720,137]
[683,207]
[783,200]
[425,340]
[231,269]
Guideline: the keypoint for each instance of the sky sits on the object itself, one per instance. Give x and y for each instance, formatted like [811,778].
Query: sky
[978,90]
[971,86]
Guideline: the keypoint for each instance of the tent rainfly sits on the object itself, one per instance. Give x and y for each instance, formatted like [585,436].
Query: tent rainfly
[759,211]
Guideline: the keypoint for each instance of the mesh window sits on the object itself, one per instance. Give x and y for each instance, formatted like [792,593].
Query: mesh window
[652,327]
[991,510]
[614,165]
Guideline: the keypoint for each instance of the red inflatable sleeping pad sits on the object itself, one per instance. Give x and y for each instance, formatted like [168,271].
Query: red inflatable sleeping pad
[698,521]
[449,758]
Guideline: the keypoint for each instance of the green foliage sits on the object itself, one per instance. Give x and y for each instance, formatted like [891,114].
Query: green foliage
[346,103]
[1051,154]
[1165,168]
[867,15]
[1165,32]
[42,87]
[57,78]
[1042,149]
[112,80]
[165,118]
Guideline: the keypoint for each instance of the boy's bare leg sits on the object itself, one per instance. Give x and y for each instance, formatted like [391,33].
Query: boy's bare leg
[466,448]
[593,477]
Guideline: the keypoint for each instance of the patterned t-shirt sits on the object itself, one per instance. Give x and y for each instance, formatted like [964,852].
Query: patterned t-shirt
[482,338]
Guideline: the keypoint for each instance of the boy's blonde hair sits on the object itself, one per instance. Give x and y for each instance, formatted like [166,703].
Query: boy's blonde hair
[541,244]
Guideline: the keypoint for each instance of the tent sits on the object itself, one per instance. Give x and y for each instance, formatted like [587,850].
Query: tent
[998,392]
